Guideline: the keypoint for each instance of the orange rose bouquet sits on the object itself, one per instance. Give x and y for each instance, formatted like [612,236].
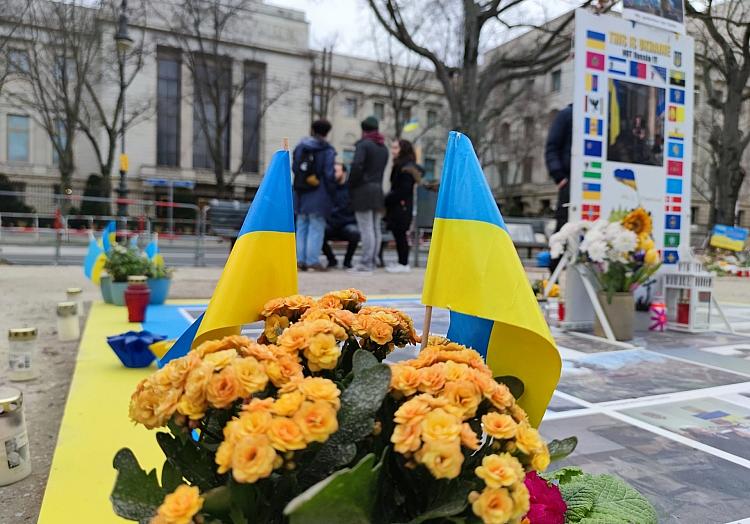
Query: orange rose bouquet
[308,424]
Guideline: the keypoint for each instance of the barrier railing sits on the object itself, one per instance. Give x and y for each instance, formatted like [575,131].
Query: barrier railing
[73,229]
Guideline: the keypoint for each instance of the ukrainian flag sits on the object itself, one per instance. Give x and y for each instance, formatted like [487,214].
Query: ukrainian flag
[474,271]
[595,40]
[94,261]
[261,266]
[411,125]
[109,236]
[152,251]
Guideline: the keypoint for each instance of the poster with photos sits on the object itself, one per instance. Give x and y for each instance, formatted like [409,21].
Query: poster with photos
[668,15]
[632,126]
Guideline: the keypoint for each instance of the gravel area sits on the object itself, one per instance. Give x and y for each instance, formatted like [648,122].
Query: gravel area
[28,295]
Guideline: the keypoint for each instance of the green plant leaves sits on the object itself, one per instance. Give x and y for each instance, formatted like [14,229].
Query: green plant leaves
[346,497]
[562,475]
[136,494]
[360,401]
[453,503]
[604,499]
[192,461]
[559,449]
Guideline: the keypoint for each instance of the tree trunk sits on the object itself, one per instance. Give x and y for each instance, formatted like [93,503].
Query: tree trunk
[729,175]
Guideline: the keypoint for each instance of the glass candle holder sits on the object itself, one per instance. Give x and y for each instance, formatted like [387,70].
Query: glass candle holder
[15,463]
[67,322]
[21,353]
[75,294]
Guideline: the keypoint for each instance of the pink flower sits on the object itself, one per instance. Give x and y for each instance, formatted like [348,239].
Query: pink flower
[546,503]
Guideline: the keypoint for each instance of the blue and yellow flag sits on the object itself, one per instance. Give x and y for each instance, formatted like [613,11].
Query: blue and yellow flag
[261,266]
[109,236]
[411,125]
[474,271]
[93,264]
[152,251]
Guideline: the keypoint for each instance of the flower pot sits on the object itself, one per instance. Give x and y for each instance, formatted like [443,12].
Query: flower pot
[159,289]
[620,314]
[105,284]
[117,290]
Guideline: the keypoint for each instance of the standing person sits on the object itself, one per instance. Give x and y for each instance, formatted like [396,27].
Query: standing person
[366,191]
[399,202]
[557,157]
[314,188]
[341,224]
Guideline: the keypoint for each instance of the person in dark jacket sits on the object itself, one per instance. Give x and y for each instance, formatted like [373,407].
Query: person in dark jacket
[341,224]
[557,157]
[399,202]
[313,205]
[366,190]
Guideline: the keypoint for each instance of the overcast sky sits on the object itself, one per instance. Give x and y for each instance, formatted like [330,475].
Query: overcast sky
[349,21]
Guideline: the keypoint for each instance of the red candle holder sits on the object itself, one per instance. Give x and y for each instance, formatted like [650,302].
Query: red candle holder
[137,296]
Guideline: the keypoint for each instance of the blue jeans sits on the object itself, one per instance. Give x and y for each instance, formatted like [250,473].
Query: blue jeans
[311,230]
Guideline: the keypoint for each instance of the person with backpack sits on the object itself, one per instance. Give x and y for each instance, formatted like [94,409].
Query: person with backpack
[366,191]
[314,189]
[399,202]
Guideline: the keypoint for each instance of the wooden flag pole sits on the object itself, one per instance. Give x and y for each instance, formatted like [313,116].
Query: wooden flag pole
[426,327]
[285,144]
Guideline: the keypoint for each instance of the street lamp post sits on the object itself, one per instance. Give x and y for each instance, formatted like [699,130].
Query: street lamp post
[123,42]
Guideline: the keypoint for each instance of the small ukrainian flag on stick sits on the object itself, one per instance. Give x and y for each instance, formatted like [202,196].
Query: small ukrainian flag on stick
[93,264]
[109,236]
[152,251]
[261,266]
[473,270]
[411,125]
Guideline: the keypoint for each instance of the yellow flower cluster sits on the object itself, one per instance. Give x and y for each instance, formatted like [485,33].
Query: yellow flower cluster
[318,340]
[350,299]
[281,312]
[179,507]
[215,374]
[448,394]
[384,327]
[304,412]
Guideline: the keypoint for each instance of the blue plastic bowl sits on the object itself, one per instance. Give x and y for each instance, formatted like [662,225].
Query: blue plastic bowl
[543,259]
[132,348]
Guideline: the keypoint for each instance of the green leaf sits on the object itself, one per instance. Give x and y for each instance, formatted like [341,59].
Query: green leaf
[454,503]
[347,497]
[170,477]
[363,360]
[360,401]
[217,500]
[136,494]
[562,475]
[195,463]
[559,449]
[515,385]
[605,499]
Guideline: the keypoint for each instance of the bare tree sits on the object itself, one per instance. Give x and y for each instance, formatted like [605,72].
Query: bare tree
[723,54]
[322,82]
[12,18]
[60,42]
[403,77]
[102,113]
[452,43]
[199,28]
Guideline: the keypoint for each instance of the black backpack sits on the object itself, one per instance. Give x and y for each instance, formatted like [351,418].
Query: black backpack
[303,167]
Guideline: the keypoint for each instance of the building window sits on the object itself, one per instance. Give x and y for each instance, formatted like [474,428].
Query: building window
[528,128]
[18,61]
[502,172]
[251,109]
[432,118]
[404,115]
[740,217]
[505,133]
[18,138]
[429,168]
[528,169]
[168,91]
[350,107]
[378,110]
[206,123]
[694,215]
[61,137]
[556,78]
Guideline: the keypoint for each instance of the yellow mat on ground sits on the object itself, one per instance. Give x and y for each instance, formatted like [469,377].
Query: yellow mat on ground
[95,426]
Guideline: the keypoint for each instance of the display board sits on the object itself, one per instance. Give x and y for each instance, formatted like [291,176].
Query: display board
[664,14]
[633,126]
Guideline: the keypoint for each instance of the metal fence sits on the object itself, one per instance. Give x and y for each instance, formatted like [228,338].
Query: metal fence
[61,229]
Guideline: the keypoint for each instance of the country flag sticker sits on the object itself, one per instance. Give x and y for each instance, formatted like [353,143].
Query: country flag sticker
[595,61]
[592,148]
[674,186]
[671,239]
[674,167]
[638,69]
[673,204]
[671,256]
[590,212]
[617,66]
[676,114]
[595,40]
[658,74]
[672,221]
[675,149]
[676,96]
[593,126]
[592,82]
[676,78]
